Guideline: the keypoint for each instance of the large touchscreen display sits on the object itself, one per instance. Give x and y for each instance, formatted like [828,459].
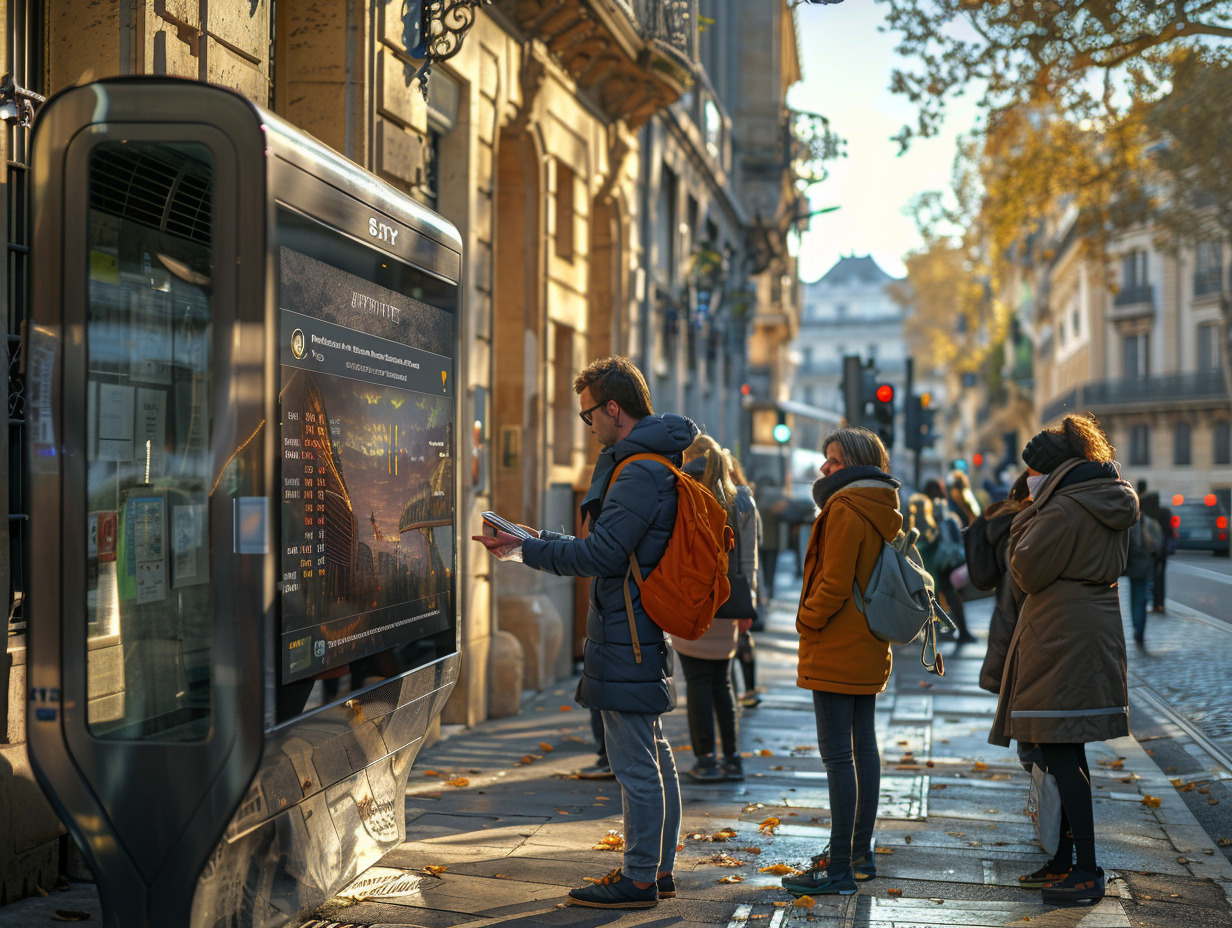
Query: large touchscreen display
[367,448]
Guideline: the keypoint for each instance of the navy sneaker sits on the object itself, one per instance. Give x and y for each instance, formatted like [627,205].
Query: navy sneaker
[706,770]
[820,882]
[733,768]
[615,891]
[667,886]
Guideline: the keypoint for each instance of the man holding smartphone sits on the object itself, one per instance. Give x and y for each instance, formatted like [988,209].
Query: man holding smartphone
[634,514]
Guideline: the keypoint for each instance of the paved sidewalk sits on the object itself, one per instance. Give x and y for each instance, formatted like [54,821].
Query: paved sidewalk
[521,830]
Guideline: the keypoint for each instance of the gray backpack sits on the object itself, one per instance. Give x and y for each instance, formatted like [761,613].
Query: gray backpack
[899,603]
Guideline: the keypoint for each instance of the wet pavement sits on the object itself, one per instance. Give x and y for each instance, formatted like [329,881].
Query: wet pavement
[499,828]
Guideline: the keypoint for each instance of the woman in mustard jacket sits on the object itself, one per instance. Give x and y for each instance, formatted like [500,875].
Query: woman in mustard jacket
[840,660]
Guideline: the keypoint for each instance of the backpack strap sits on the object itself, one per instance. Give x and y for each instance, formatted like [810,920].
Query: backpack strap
[634,569]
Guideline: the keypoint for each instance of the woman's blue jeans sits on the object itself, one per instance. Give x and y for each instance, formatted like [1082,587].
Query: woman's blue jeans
[644,766]
[847,739]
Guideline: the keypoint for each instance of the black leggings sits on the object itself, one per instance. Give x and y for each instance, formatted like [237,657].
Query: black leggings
[1068,763]
[710,696]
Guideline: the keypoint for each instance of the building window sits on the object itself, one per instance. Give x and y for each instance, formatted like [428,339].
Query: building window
[564,211]
[1208,268]
[1140,446]
[563,400]
[666,227]
[1134,270]
[1182,436]
[1223,442]
[1134,357]
[1209,355]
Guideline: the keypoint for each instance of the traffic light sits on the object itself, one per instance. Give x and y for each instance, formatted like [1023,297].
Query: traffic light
[883,414]
[859,391]
[920,415]
[782,431]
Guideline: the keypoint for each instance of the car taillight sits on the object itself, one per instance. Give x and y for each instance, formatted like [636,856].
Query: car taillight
[1176,521]
[1221,522]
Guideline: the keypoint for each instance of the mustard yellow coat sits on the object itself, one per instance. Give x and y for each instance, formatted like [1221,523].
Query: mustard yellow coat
[838,654]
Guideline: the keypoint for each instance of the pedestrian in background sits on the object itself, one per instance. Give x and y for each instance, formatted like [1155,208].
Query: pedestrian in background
[961,498]
[771,504]
[707,662]
[1162,515]
[1064,681]
[745,655]
[950,555]
[633,514]
[840,660]
[1146,547]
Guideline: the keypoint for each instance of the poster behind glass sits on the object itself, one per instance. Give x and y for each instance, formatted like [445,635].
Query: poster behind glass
[366,404]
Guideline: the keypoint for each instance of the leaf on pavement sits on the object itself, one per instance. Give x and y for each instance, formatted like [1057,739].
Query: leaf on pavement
[435,870]
[458,781]
[894,892]
[768,826]
[1152,801]
[804,902]
[731,878]
[778,870]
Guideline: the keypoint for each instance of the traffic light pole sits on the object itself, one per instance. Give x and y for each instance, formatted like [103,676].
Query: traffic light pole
[912,444]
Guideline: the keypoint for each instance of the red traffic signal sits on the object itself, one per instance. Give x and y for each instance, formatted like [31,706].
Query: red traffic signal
[745,389]
[885,393]
[977,459]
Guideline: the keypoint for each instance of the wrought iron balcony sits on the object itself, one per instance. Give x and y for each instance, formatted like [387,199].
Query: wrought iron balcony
[1135,295]
[636,56]
[1163,390]
[1207,280]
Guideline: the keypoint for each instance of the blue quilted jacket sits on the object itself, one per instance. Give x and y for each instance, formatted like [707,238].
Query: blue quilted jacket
[637,514]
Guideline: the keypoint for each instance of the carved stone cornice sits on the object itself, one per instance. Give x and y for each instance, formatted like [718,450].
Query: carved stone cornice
[610,47]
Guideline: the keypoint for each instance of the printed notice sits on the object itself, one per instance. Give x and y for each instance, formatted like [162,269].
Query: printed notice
[115,422]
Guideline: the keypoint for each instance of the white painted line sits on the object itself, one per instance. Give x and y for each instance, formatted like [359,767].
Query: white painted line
[740,917]
[990,873]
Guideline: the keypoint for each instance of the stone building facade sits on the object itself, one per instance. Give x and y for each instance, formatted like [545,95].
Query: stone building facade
[595,155]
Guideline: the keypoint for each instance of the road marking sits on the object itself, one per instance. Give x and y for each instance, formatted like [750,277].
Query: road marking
[740,917]
[1201,572]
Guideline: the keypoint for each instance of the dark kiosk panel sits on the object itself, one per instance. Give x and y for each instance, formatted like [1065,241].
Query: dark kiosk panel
[242,366]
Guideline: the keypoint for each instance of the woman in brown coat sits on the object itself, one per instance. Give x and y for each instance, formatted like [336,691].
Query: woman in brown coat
[840,660]
[1064,681]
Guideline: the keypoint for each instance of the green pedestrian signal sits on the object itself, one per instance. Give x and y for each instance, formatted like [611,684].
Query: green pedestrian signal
[782,433]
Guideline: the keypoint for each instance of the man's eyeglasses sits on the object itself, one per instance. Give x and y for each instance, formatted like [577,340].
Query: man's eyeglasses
[586,416]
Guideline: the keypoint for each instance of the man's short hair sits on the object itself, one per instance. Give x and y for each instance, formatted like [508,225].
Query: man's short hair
[618,379]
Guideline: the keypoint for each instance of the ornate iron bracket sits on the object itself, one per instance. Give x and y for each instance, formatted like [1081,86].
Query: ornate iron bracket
[443,26]
[18,105]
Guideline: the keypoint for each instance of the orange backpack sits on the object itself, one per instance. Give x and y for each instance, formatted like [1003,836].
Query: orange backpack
[687,586]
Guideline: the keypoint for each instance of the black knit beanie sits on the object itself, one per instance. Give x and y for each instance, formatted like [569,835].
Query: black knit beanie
[1046,452]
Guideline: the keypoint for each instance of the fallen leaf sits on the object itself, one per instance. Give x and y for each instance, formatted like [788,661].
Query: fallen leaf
[780,904]
[778,869]
[501,876]
[724,860]
[804,902]
[458,781]
[924,684]
[1212,802]
[1175,781]
[560,811]
[566,708]
[612,841]
[434,869]
[544,747]
[1223,842]
[432,773]
[1204,791]
[957,834]
[940,785]
[768,826]
[904,743]
[906,839]
[602,799]
[894,892]
[751,850]
[884,850]
[765,752]
[1152,801]
[731,878]
[978,766]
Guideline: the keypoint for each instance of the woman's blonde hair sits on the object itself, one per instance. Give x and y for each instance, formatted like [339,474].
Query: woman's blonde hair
[717,477]
[920,515]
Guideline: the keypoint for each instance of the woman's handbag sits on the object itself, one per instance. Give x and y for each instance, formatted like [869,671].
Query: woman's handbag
[739,604]
[1044,807]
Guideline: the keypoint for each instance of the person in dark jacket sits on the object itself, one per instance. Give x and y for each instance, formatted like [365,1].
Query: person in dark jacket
[949,525]
[1064,681]
[1157,581]
[987,542]
[634,514]
[841,662]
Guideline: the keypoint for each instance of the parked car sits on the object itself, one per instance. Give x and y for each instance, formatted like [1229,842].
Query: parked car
[1202,524]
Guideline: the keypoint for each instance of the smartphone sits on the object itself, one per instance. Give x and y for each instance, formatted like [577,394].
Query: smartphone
[492,522]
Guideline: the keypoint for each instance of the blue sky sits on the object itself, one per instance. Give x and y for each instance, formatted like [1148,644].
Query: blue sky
[846,64]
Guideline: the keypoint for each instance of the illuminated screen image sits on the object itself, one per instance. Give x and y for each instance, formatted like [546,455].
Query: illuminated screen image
[366,404]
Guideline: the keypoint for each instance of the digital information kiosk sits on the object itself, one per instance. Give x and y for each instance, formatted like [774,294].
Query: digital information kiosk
[242,400]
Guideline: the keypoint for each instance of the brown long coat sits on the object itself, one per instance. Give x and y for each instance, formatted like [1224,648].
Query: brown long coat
[1065,678]
[838,654]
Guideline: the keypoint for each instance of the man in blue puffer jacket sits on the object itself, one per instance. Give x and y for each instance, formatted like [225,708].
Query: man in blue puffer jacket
[636,513]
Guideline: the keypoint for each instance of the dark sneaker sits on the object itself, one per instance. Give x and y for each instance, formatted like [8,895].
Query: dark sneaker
[615,891]
[864,866]
[820,882]
[667,886]
[596,772]
[1079,886]
[1049,873]
[706,770]
[733,768]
